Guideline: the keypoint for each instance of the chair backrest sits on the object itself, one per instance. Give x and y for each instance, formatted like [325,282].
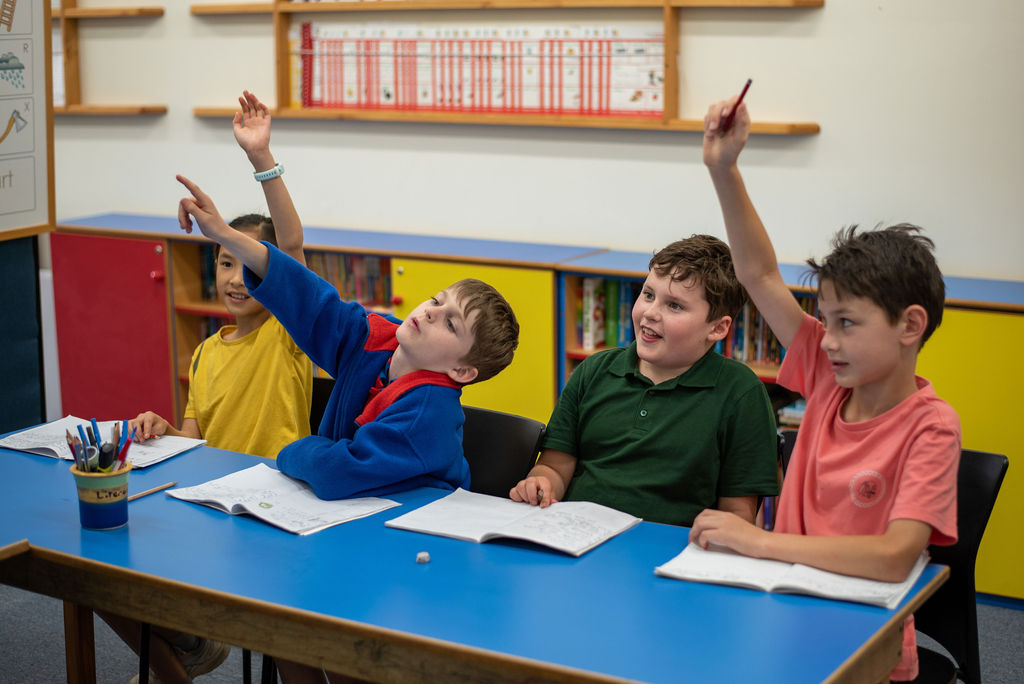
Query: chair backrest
[321,393]
[950,616]
[787,440]
[500,448]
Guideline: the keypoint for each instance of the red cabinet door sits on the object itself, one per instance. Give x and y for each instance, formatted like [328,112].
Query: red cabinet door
[113,326]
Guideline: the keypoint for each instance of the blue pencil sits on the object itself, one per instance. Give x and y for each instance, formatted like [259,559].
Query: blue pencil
[96,431]
[81,433]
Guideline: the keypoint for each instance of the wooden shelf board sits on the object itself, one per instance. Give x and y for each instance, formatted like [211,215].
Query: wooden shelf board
[108,12]
[575,121]
[746,3]
[396,5]
[233,8]
[110,110]
[406,5]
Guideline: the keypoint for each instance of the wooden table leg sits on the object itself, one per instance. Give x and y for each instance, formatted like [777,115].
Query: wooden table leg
[79,647]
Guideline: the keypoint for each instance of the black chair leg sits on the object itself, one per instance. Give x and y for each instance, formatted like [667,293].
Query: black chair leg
[269,673]
[246,666]
[144,654]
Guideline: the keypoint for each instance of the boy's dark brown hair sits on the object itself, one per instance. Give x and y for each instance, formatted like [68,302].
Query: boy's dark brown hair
[893,267]
[256,225]
[495,330]
[707,260]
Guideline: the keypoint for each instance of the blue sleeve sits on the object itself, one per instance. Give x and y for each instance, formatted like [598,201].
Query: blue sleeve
[328,329]
[417,441]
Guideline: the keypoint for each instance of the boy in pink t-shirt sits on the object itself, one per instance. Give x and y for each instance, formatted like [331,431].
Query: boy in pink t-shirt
[872,479]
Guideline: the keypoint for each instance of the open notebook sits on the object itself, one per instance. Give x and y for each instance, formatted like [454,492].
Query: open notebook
[574,527]
[49,439]
[722,566]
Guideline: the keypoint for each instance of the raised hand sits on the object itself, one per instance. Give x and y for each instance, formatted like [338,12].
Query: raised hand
[200,207]
[252,129]
[722,149]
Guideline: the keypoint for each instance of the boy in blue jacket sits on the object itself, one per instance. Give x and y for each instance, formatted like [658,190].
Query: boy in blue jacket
[394,419]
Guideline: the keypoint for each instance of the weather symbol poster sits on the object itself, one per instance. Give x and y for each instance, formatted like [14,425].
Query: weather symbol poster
[25,167]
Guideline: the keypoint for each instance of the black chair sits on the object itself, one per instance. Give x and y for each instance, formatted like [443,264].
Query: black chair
[787,440]
[500,448]
[950,615]
[321,393]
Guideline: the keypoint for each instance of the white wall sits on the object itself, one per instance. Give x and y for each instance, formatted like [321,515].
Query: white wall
[920,103]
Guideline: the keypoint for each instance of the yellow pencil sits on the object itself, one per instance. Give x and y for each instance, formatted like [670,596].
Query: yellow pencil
[162,487]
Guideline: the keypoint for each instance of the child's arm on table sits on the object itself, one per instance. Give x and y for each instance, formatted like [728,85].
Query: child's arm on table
[752,253]
[547,481]
[252,132]
[148,424]
[887,557]
[253,254]
[414,438]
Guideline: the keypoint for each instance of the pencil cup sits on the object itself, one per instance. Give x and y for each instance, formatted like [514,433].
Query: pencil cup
[102,498]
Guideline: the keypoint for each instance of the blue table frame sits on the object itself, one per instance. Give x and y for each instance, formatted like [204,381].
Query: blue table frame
[353,599]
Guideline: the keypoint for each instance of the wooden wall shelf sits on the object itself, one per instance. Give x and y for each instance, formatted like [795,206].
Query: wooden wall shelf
[632,123]
[110,110]
[107,12]
[69,16]
[282,14]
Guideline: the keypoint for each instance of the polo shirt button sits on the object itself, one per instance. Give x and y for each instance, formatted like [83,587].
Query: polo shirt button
[643,413]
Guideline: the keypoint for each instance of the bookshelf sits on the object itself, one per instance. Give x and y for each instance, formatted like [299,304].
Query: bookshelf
[286,15]
[67,16]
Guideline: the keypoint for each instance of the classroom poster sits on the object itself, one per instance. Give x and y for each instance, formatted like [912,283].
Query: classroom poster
[24,64]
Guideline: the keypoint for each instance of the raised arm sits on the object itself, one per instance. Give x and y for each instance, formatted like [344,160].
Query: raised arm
[200,207]
[753,255]
[252,132]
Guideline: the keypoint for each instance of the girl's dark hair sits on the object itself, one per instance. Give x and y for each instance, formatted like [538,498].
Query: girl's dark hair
[259,225]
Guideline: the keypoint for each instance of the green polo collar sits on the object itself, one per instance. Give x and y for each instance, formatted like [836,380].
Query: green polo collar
[704,373]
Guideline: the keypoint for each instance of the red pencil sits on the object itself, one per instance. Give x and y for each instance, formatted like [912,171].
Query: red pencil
[727,124]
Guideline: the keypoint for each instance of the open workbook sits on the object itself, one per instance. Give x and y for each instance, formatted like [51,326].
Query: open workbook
[574,527]
[275,498]
[49,439]
[727,567]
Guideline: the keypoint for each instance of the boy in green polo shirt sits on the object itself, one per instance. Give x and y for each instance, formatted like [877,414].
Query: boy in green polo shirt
[666,427]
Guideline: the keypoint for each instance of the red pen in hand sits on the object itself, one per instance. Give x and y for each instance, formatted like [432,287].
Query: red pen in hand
[727,124]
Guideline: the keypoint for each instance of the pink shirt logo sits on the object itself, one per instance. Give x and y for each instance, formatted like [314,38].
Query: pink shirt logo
[867,488]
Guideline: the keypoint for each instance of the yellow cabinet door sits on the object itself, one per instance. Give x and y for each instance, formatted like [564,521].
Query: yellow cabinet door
[527,386]
[972,362]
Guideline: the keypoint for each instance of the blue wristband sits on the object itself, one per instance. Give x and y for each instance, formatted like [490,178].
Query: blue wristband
[267,175]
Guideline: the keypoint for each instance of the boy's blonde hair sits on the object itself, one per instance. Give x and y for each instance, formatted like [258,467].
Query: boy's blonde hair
[495,330]
[708,261]
[893,267]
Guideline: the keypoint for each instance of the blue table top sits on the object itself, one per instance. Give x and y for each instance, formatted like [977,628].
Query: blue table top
[604,612]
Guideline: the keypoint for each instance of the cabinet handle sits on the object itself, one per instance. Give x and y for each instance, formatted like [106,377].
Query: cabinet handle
[156,275]
[396,300]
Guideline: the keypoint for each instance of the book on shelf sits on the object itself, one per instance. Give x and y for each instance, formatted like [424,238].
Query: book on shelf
[49,439]
[722,566]
[573,527]
[611,313]
[606,69]
[593,313]
[275,498]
